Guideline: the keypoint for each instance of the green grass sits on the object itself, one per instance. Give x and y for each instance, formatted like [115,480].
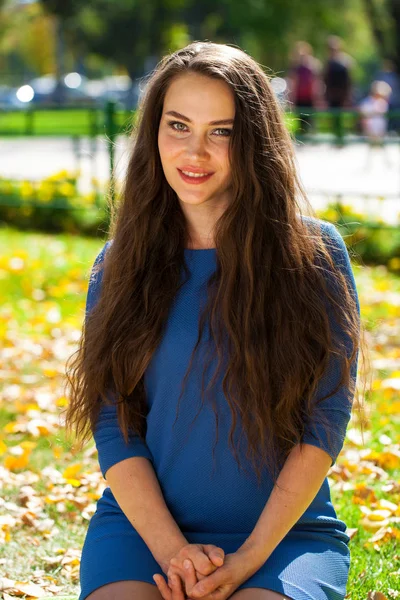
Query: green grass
[79,122]
[370,569]
[58,266]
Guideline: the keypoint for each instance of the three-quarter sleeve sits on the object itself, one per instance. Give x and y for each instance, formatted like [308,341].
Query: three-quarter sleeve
[110,444]
[336,409]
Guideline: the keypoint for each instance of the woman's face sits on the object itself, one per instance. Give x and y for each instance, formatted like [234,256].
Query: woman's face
[193,139]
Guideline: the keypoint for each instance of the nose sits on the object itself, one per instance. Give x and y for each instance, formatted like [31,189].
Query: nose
[197,147]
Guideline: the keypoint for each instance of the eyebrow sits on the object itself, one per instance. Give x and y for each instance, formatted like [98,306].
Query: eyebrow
[173,113]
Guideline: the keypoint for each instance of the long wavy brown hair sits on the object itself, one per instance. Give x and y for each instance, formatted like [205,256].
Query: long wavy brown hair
[272,295]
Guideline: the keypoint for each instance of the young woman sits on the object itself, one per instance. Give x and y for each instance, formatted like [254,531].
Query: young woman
[218,358]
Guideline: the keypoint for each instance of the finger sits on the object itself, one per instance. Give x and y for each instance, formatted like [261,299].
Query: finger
[202,562]
[163,587]
[216,554]
[207,585]
[190,575]
[176,586]
[203,588]
[176,568]
[217,560]
[218,594]
[187,574]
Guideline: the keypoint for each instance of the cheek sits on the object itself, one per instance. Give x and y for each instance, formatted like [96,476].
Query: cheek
[225,162]
[168,146]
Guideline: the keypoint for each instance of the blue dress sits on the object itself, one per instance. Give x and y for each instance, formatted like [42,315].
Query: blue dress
[212,502]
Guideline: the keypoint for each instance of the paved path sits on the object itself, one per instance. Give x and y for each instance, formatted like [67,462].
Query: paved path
[354,171]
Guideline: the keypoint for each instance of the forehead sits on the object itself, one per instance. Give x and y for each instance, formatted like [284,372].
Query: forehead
[200,98]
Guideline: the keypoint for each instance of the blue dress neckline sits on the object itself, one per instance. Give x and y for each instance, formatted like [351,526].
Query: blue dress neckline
[189,250]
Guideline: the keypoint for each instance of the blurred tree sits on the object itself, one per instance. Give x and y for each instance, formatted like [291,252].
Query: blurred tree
[27,45]
[268,30]
[125,31]
[384,18]
[135,33]
[64,15]
[131,33]
[37,43]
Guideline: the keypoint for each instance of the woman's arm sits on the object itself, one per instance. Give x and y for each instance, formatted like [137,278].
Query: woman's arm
[299,482]
[137,491]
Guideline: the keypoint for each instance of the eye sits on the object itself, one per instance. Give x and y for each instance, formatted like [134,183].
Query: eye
[226,132]
[173,123]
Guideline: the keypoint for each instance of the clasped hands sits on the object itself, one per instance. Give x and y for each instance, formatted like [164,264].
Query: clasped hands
[204,572]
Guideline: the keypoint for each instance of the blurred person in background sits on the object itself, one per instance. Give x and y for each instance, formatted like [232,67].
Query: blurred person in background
[337,75]
[304,83]
[389,75]
[374,122]
[338,83]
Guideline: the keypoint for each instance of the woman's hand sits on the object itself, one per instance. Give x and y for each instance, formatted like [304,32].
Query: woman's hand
[177,588]
[219,585]
[202,560]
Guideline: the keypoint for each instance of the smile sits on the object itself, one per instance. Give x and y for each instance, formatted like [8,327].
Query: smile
[194,178]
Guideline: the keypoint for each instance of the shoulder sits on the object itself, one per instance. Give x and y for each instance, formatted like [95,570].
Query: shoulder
[328,230]
[332,239]
[96,277]
[101,255]
[339,253]
[97,267]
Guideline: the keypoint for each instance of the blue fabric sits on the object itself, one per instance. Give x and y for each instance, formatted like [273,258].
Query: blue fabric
[211,499]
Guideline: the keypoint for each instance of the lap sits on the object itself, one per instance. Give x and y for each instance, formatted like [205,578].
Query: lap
[114,552]
[141,590]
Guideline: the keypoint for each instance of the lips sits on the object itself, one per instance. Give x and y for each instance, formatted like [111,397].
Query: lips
[195,180]
[198,170]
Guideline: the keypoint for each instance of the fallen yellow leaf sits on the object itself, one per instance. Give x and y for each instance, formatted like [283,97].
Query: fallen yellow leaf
[379,515]
[72,470]
[373,525]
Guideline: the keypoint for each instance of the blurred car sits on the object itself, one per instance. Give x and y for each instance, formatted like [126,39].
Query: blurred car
[5,96]
[69,91]
[73,90]
[9,98]
[118,88]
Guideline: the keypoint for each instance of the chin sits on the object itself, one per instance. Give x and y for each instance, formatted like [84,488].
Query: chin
[193,197]
[191,200]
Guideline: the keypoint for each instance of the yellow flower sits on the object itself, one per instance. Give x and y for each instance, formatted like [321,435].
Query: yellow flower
[66,189]
[330,215]
[89,198]
[27,190]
